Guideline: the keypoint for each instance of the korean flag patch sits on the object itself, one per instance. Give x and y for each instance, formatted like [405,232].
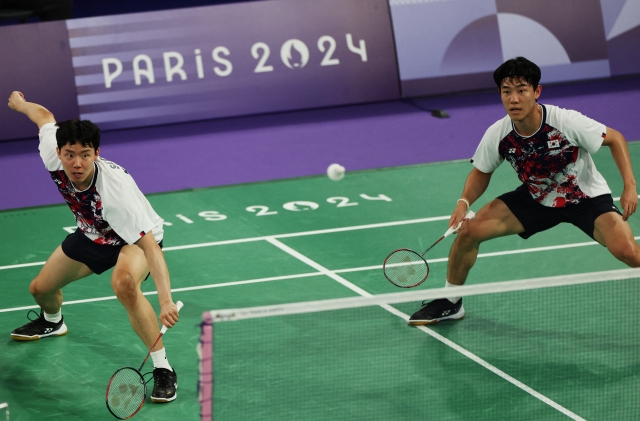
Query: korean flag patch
[553,144]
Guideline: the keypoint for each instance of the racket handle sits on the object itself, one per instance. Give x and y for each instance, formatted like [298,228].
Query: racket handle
[470,215]
[179,305]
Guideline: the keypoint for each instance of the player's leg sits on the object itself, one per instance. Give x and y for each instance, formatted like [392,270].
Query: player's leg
[128,274]
[613,232]
[493,220]
[46,288]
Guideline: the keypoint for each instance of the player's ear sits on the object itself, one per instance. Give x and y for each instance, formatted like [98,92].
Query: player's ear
[538,91]
[97,153]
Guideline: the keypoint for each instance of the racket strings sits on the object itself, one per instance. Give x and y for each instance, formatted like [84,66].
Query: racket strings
[126,393]
[406,268]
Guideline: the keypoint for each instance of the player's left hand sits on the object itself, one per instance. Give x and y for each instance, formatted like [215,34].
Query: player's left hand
[169,314]
[628,202]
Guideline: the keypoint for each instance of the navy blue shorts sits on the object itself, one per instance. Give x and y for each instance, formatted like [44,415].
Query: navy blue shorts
[535,217]
[98,257]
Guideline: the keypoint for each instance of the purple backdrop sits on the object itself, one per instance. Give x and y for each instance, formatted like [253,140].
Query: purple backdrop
[36,60]
[303,143]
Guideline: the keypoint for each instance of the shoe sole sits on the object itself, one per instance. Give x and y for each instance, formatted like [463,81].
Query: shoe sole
[456,316]
[163,400]
[58,332]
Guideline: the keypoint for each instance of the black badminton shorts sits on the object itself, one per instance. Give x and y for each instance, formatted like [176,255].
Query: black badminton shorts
[535,217]
[98,257]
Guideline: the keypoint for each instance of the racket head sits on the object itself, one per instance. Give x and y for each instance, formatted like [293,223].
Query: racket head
[405,268]
[126,393]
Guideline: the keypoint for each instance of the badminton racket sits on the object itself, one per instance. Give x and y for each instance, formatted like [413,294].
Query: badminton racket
[127,388]
[406,268]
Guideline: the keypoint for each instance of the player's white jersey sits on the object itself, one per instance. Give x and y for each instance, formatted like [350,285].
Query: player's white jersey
[554,163]
[112,210]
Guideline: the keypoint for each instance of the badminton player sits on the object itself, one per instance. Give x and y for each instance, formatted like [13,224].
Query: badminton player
[549,148]
[117,228]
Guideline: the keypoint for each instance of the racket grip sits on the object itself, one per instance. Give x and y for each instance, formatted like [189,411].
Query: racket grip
[470,215]
[179,305]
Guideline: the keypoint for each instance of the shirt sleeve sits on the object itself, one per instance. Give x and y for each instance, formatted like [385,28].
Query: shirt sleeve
[127,217]
[125,212]
[48,146]
[583,131]
[487,158]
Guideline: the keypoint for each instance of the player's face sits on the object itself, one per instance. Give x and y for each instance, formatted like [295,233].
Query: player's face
[77,162]
[519,98]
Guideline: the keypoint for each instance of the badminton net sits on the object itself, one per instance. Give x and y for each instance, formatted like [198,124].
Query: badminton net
[547,348]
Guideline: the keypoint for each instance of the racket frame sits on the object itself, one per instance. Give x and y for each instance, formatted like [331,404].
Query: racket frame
[144,385]
[384,268]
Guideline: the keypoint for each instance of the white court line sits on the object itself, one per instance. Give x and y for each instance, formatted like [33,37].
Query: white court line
[195,288]
[499,372]
[329,231]
[427,330]
[617,199]
[301,234]
[491,254]
[304,275]
[288,235]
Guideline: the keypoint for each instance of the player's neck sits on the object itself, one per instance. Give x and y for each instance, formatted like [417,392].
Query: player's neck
[530,124]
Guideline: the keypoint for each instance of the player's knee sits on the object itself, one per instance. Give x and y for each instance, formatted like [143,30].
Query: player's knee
[125,287]
[628,253]
[37,288]
[469,236]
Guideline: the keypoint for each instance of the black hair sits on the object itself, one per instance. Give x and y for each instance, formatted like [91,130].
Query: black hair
[75,131]
[518,68]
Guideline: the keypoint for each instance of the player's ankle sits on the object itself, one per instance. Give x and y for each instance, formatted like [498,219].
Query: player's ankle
[160,359]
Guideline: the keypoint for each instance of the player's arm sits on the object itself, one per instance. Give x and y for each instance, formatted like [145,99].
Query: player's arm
[620,152]
[36,113]
[160,273]
[476,184]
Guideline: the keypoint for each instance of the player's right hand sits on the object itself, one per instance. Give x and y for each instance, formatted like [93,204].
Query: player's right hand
[169,314]
[458,216]
[15,100]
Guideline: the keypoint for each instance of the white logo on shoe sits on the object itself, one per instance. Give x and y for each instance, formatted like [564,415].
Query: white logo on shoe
[446,312]
[48,330]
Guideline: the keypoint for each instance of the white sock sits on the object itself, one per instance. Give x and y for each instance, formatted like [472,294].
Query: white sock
[452,299]
[53,318]
[160,359]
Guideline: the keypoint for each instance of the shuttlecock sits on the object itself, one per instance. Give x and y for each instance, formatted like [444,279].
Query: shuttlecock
[335,172]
